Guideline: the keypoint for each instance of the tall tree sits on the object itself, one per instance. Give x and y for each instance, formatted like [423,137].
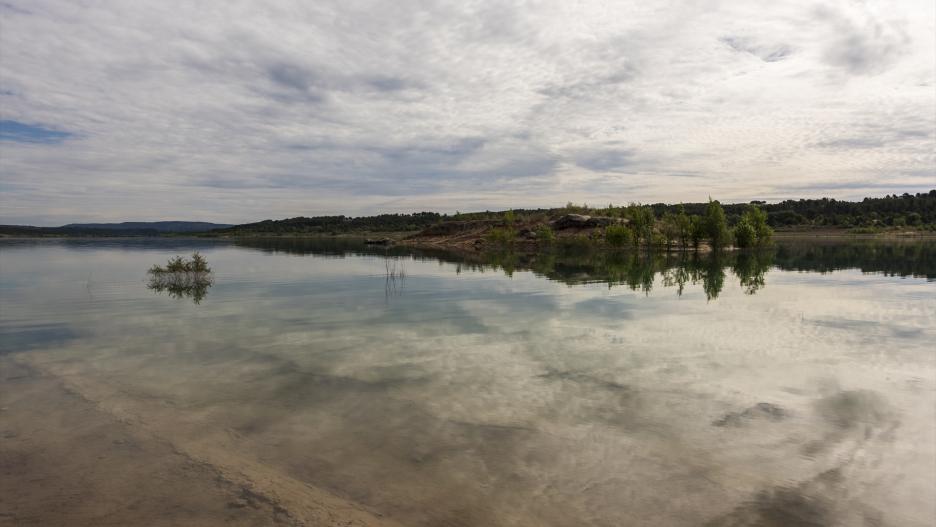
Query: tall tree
[716,226]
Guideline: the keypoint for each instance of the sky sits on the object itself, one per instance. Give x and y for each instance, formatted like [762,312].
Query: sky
[233,111]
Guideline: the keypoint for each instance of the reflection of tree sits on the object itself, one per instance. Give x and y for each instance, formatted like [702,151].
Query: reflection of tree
[638,270]
[640,273]
[677,276]
[713,274]
[506,260]
[750,268]
[182,284]
[892,257]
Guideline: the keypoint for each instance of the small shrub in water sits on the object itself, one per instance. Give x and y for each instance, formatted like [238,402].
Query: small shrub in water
[197,264]
[182,278]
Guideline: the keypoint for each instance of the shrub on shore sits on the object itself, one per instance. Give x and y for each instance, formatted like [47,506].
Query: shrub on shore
[502,235]
[618,235]
[545,234]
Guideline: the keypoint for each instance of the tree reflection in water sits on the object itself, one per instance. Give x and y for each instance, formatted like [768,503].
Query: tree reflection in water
[182,285]
[639,270]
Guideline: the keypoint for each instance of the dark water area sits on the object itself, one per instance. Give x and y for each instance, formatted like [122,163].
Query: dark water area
[789,386]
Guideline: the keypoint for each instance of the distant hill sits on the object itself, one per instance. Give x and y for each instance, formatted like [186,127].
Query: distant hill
[158,226]
[128,228]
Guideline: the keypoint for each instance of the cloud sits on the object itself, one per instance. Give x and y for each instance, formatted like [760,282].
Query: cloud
[232,112]
[767,53]
[606,160]
[865,45]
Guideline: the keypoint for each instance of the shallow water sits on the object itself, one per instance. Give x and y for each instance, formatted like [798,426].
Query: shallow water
[795,386]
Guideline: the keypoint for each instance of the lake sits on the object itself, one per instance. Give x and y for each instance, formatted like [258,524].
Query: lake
[332,383]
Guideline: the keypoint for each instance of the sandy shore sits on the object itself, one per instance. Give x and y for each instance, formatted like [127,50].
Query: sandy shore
[66,460]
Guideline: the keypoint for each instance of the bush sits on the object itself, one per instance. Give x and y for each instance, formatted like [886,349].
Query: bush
[502,235]
[197,265]
[182,278]
[545,234]
[618,235]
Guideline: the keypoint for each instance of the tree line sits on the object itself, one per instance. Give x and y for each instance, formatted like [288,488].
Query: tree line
[913,210]
[331,225]
[690,230]
[905,210]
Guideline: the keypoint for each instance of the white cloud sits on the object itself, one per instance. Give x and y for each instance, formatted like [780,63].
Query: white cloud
[233,111]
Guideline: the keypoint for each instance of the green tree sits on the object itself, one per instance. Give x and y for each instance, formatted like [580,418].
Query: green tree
[641,222]
[744,233]
[683,227]
[757,219]
[716,226]
[669,228]
[696,230]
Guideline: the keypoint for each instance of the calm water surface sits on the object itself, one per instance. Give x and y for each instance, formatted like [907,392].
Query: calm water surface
[793,387]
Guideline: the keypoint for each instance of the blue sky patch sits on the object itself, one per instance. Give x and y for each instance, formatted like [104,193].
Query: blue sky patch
[27,133]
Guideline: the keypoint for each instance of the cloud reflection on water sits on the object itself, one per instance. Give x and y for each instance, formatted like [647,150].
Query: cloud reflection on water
[485,399]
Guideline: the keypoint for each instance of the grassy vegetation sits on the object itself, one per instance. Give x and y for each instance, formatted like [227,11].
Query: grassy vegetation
[545,235]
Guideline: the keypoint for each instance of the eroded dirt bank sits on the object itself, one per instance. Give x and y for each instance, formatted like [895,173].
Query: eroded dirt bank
[66,460]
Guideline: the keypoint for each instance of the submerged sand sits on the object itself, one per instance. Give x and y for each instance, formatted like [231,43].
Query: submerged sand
[70,460]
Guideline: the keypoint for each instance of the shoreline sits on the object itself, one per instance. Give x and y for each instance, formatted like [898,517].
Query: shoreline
[475,241]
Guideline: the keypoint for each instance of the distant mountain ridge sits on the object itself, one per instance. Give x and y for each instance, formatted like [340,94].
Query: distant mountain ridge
[158,226]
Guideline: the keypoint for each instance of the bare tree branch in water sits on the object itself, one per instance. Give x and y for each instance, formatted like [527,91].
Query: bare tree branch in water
[394,274]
